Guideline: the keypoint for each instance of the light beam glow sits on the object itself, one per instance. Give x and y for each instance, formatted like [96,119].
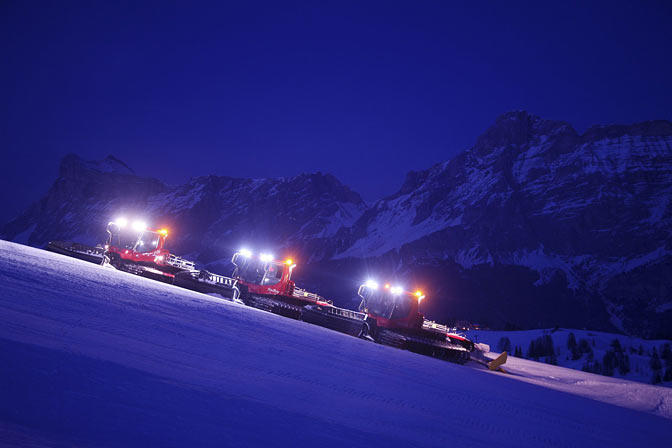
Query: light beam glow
[246,253]
[139,226]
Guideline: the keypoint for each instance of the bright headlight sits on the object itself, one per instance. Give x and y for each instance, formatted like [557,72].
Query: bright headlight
[139,226]
[372,284]
[245,253]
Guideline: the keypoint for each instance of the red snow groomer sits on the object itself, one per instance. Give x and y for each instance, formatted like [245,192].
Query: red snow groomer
[391,316]
[394,318]
[266,283]
[140,250]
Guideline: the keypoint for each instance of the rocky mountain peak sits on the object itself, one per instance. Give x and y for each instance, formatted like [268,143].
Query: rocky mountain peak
[319,183]
[657,128]
[414,179]
[518,128]
[73,166]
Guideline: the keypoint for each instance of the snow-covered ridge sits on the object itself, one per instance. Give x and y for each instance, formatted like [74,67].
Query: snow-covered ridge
[547,168]
[534,193]
[109,164]
[209,216]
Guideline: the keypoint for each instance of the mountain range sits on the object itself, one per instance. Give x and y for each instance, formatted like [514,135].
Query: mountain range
[535,225]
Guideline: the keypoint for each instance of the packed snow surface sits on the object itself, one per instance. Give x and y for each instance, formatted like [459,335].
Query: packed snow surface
[96,357]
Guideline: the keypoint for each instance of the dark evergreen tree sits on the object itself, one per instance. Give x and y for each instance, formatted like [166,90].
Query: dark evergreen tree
[598,368]
[504,344]
[668,374]
[576,353]
[532,351]
[547,345]
[592,367]
[655,360]
[541,347]
[616,345]
[584,346]
[609,363]
[666,354]
[624,364]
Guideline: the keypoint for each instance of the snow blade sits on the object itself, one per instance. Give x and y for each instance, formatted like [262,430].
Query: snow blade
[496,363]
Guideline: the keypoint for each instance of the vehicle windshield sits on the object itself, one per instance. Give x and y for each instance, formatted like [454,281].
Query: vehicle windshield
[273,274]
[122,238]
[258,272]
[250,270]
[386,305]
[147,242]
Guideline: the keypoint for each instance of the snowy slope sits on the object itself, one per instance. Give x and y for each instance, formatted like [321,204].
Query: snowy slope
[95,357]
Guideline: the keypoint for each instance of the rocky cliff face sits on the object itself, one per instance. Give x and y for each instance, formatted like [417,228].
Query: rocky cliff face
[590,211]
[535,225]
[78,204]
[209,217]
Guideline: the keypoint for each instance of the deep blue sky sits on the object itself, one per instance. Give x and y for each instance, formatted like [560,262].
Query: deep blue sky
[364,90]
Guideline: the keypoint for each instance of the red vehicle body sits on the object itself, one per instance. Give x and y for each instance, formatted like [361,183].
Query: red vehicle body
[392,317]
[399,311]
[267,284]
[145,254]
